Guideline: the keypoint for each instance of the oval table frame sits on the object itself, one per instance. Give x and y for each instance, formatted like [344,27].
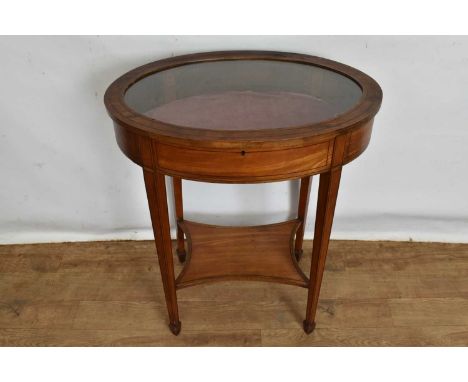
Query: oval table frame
[224,253]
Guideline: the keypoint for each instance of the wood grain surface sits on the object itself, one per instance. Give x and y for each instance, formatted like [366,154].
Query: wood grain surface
[110,293]
[262,253]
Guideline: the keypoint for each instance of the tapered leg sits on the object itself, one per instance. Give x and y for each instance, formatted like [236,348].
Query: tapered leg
[302,214]
[179,208]
[157,199]
[328,191]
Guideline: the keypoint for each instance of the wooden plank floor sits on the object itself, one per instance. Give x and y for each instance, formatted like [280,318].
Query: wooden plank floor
[110,293]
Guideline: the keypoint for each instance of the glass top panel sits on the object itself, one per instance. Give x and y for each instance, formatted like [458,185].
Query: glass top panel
[243,95]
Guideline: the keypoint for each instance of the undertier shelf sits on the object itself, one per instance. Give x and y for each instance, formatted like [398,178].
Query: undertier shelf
[217,253]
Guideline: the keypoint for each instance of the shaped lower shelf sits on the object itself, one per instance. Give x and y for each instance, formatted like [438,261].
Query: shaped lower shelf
[263,253]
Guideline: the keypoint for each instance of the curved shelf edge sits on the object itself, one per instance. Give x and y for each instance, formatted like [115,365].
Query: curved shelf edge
[255,253]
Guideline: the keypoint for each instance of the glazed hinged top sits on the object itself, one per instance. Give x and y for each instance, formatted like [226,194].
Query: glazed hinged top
[242,95]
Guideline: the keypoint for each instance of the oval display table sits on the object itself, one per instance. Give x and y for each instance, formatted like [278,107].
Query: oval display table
[242,117]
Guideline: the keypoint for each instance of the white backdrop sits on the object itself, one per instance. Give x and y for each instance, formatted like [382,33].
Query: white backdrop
[63,177]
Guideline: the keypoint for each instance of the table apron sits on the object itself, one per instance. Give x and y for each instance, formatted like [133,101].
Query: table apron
[242,164]
[237,165]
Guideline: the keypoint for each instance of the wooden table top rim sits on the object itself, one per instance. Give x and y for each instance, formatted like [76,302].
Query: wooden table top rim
[122,114]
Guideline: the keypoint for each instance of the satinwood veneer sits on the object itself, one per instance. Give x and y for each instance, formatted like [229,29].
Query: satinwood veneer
[242,117]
